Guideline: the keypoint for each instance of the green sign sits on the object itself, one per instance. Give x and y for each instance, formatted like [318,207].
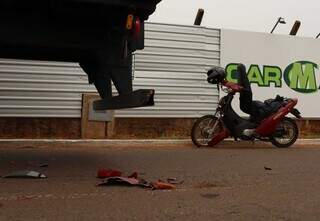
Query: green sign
[299,76]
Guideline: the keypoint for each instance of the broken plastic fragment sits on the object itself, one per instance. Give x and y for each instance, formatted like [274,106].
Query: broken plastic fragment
[159,185]
[134,175]
[125,181]
[25,174]
[44,165]
[267,168]
[106,173]
[174,181]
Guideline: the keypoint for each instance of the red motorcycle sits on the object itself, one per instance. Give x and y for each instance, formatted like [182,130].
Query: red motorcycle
[267,122]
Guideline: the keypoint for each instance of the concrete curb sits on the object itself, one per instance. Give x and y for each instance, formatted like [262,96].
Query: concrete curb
[186,143]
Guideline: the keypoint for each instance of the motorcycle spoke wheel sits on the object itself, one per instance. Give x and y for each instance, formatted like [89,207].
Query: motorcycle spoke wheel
[204,129]
[289,136]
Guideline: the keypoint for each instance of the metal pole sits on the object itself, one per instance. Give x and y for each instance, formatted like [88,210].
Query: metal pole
[318,35]
[295,28]
[199,17]
[278,21]
[275,25]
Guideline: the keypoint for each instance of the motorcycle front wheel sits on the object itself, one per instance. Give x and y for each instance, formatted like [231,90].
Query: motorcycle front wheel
[289,133]
[204,129]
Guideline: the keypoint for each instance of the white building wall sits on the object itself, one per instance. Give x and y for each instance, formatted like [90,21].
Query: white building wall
[174,63]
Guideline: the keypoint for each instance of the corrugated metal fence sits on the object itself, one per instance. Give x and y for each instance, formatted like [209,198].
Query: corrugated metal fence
[173,62]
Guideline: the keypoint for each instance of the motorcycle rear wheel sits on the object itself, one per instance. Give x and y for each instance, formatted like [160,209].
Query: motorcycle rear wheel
[203,130]
[291,133]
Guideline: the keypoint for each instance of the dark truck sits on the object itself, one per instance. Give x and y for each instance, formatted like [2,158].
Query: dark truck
[100,35]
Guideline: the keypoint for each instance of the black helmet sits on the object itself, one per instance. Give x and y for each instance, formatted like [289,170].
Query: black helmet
[216,75]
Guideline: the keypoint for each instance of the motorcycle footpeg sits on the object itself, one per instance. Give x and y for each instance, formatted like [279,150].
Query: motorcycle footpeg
[138,98]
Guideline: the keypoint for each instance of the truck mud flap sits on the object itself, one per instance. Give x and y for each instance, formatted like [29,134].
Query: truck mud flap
[138,98]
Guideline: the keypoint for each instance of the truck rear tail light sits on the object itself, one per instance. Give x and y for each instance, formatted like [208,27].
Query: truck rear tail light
[133,25]
[137,28]
[129,23]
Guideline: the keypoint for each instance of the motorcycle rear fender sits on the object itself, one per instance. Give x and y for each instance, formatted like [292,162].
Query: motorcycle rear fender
[268,126]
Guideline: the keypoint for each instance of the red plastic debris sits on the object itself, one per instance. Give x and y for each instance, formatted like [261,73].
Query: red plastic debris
[106,173]
[159,185]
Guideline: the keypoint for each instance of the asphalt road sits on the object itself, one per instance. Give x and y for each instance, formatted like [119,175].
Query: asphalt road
[219,184]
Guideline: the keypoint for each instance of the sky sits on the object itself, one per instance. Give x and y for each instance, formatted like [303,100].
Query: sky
[250,15]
